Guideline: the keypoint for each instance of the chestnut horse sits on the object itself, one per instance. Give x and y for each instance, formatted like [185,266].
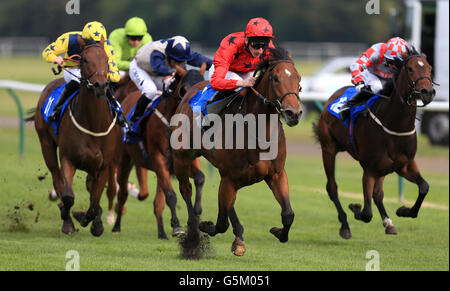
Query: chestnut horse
[384,142]
[155,132]
[278,86]
[86,139]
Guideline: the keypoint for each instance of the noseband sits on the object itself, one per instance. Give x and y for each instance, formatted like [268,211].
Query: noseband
[277,103]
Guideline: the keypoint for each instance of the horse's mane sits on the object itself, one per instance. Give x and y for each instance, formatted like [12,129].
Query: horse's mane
[276,54]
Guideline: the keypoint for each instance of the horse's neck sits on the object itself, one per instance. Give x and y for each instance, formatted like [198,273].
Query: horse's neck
[395,114]
[90,110]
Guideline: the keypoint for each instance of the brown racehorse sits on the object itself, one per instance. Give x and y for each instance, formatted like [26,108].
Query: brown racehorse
[86,140]
[156,133]
[279,82]
[385,142]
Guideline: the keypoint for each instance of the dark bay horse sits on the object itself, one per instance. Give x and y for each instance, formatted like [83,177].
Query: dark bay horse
[86,139]
[385,142]
[155,131]
[278,86]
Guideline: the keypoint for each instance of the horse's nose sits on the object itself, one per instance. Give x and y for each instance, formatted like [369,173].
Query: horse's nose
[291,117]
[427,95]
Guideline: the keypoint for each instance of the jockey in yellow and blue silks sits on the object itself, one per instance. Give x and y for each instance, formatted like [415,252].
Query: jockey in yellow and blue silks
[67,43]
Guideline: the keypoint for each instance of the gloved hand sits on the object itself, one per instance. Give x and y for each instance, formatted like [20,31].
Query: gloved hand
[359,86]
[167,80]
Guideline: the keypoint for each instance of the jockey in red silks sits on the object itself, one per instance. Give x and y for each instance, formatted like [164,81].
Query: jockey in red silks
[375,68]
[238,55]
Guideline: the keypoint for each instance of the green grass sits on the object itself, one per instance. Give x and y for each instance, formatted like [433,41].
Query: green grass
[421,243]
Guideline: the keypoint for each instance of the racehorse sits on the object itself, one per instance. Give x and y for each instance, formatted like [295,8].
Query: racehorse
[156,132]
[383,143]
[276,94]
[86,139]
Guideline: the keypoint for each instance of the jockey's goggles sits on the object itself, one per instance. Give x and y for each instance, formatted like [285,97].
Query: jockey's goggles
[135,37]
[258,43]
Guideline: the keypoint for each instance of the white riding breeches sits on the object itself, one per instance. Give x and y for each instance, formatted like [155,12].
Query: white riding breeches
[69,77]
[232,75]
[148,85]
[376,83]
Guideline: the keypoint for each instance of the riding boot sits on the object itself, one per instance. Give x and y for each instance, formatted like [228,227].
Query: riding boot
[121,120]
[140,109]
[70,88]
[354,100]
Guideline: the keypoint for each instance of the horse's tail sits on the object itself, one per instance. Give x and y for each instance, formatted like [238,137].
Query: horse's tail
[315,129]
[32,113]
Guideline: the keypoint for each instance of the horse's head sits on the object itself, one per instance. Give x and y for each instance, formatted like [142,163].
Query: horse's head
[417,72]
[94,65]
[282,85]
[185,79]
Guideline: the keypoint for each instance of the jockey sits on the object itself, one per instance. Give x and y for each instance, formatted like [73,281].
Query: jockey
[128,40]
[375,69]
[68,44]
[239,53]
[153,68]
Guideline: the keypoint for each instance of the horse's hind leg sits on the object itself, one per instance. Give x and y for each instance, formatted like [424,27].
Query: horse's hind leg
[278,183]
[141,174]
[329,162]
[412,174]
[123,173]
[199,181]
[378,195]
[111,192]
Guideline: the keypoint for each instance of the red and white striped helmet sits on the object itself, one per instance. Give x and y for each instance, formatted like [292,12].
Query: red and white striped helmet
[396,48]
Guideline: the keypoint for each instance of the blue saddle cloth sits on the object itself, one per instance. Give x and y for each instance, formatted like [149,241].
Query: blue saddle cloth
[335,107]
[199,100]
[50,104]
[129,139]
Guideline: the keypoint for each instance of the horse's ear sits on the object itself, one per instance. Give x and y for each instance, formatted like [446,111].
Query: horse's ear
[202,68]
[81,42]
[180,71]
[102,41]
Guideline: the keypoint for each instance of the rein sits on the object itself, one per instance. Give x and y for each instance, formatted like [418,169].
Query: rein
[277,104]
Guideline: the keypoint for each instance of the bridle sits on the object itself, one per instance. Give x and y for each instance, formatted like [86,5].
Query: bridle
[411,84]
[86,80]
[277,103]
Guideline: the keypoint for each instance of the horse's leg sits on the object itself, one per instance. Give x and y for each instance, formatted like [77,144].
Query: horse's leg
[111,193]
[368,186]
[227,195]
[378,195]
[67,196]
[123,173]
[158,208]
[278,183]
[96,183]
[199,181]
[163,176]
[411,173]
[329,162]
[141,174]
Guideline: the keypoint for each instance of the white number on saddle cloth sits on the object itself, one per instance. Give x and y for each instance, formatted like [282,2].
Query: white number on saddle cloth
[49,105]
[336,106]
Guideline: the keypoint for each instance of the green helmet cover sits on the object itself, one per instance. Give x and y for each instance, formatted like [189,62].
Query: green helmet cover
[135,26]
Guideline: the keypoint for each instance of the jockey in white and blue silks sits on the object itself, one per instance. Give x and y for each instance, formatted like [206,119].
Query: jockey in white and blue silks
[153,68]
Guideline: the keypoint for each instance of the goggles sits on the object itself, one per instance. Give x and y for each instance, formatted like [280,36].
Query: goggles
[258,43]
[135,37]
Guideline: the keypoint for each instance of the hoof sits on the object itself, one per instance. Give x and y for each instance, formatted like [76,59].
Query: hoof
[177,231]
[405,212]
[68,227]
[238,247]
[345,233]
[163,236]
[207,227]
[142,197]
[278,233]
[355,208]
[97,229]
[391,230]
[80,216]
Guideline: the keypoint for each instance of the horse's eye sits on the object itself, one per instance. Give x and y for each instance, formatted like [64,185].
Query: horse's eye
[275,79]
[410,70]
[85,61]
